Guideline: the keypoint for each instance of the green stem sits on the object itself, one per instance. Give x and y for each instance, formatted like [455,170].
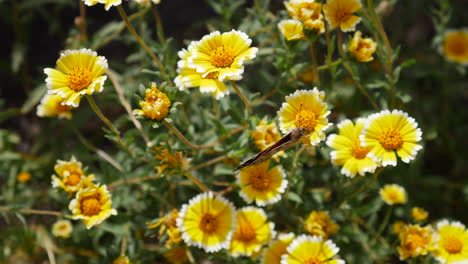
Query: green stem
[241,95]
[384,223]
[184,139]
[374,179]
[159,25]
[313,54]
[329,65]
[196,181]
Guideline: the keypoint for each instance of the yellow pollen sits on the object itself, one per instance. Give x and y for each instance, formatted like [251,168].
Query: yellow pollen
[209,223]
[73,179]
[342,16]
[260,180]
[453,245]
[313,260]
[415,241]
[222,57]
[90,206]
[306,119]
[245,232]
[391,139]
[79,79]
[358,151]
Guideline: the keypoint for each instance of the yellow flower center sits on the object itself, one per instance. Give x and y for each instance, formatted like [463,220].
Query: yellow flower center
[73,179]
[79,79]
[358,151]
[209,223]
[393,196]
[414,242]
[342,15]
[453,245]
[245,233]
[222,56]
[90,206]
[391,139]
[306,119]
[260,180]
[456,45]
[313,260]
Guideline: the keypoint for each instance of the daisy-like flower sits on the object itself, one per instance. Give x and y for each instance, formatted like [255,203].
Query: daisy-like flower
[176,255]
[93,205]
[348,150]
[156,104]
[252,231]
[389,132]
[261,184]
[455,46]
[362,48]
[308,12]
[23,176]
[277,248]
[291,29]
[393,194]
[319,224]
[340,13]
[62,228]
[305,109]
[452,246]
[419,214]
[70,176]
[107,3]
[78,72]
[311,249]
[266,134]
[415,241]
[51,106]
[207,222]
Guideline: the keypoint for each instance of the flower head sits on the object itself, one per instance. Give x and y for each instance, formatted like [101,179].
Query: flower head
[419,214]
[62,228]
[308,12]
[266,134]
[93,205]
[207,222]
[261,184]
[362,48]
[452,246]
[107,3]
[311,249]
[156,104]
[79,72]
[23,176]
[168,224]
[319,224]
[121,260]
[349,152]
[291,29]
[172,162]
[277,248]
[389,132]
[177,255]
[340,13]
[70,176]
[305,109]
[147,2]
[415,241]
[397,227]
[393,194]
[455,46]
[51,106]
[252,231]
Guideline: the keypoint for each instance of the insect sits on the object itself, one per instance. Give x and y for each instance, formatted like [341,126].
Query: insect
[284,143]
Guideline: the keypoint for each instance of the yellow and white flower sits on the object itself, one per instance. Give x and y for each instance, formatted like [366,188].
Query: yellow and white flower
[308,12]
[252,231]
[452,247]
[291,29]
[393,194]
[70,176]
[62,228]
[207,222]
[93,205]
[107,3]
[340,13]
[455,46]
[261,184]
[305,109]
[415,241]
[78,72]
[349,152]
[277,248]
[362,48]
[311,249]
[147,2]
[389,132]
[156,104]
[266,134]
[51,106]
[318,223]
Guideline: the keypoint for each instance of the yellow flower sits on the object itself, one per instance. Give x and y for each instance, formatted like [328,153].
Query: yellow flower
[168,224]
[252,232]
[176,255]
[397,227]
[51,105]
[261,184]
[308,12]
[156,104]
[147,2]
[291,29]
[108,3]
[207,222]
[455,46]
[23,176]
[79,72]
[93,205]
[348,150]
[393,194]
[70,176]
[176,162]
[452,246]
[307,249]
[121,260]
[277,248]
[415,241]
[419,214]
[339,13]
[62,228]
[362,48]
[305,109]
[319,224]
[265,135]
[386,132]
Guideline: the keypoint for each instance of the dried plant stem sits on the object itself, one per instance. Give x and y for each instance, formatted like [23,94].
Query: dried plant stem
[209,162]
[33,211]
[241,95]
[143,44]
[134,180]
[196,181]
[313,54]
[184,139]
